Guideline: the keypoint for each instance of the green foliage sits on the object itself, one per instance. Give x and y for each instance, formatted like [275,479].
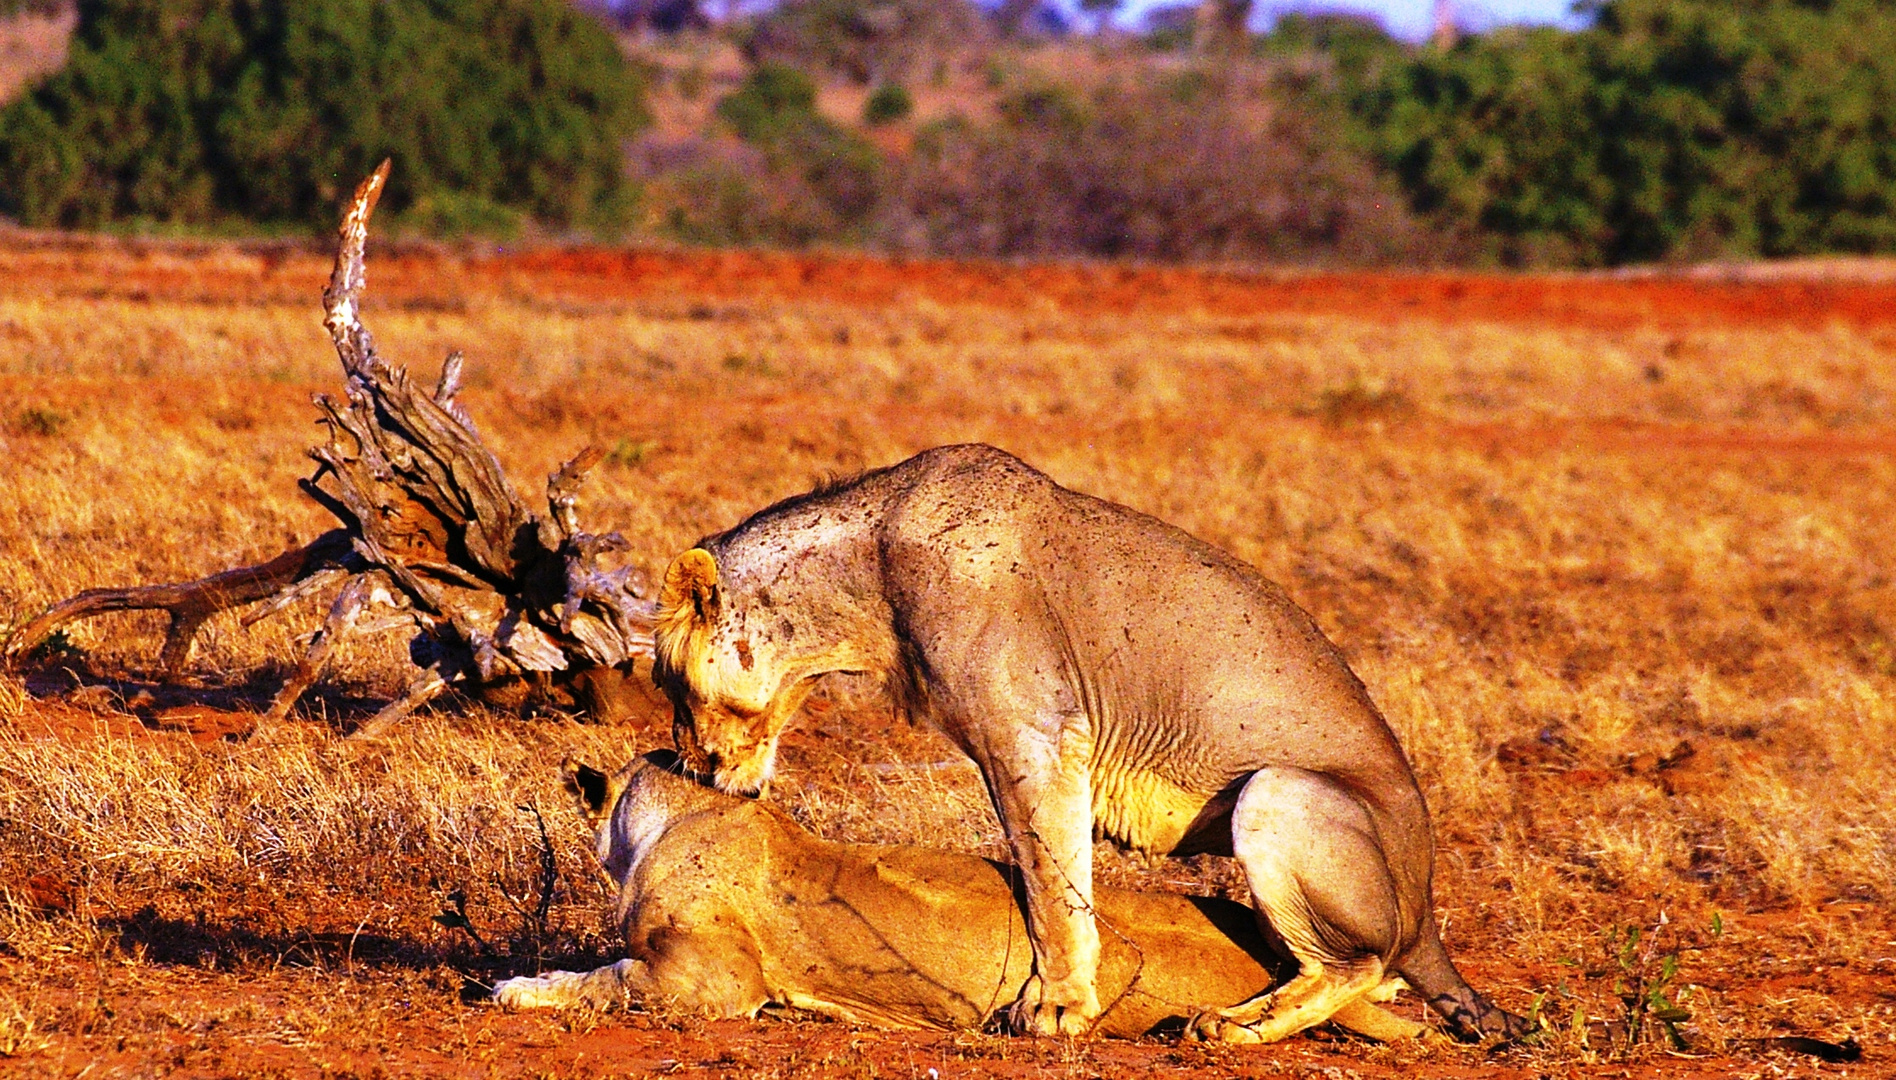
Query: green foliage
[1671,129]
[773,98]
[1355,52]
[1646,985]
[1054,108]
[827,177]
[867,41]
[197,110]
[890,102]
[1495,139]
[457,213]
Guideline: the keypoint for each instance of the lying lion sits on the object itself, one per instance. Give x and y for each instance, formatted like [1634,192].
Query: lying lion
[728,905]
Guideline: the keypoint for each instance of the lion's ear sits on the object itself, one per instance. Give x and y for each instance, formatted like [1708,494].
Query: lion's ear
[691,584]
[592,788]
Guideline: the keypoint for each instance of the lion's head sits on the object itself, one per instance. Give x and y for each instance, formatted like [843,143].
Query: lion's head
[732,691]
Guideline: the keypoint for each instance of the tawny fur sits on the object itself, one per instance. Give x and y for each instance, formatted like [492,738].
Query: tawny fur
[1106,672]
[728,905]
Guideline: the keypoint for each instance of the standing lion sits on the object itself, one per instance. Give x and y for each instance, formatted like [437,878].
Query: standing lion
[1107,672]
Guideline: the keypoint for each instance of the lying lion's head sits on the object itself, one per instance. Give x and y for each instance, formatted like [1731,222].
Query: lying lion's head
[731,691]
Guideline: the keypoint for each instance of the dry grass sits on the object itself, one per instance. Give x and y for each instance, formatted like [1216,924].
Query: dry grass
[1646,679]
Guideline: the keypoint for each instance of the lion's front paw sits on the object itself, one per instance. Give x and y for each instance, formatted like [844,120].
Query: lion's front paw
[525,992]
[1211,1027]
[1044,1010]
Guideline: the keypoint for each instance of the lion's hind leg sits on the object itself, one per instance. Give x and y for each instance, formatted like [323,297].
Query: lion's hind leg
[600,988]
[1375,1022]
[1321,885]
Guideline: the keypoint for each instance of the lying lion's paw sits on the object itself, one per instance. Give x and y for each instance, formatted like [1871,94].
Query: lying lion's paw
[525,992]
[1210,1027]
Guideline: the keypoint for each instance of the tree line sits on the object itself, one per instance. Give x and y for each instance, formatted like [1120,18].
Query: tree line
[1664,130]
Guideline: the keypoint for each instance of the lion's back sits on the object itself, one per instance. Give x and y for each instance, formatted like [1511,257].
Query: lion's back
[1174,642]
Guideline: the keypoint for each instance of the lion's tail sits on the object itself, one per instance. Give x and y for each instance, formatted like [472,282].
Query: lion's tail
[1471,1017]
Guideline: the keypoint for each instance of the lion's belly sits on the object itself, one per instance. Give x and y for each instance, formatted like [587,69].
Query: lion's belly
[1147,812]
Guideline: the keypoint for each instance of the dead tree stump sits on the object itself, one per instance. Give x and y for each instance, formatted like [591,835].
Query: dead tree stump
[506,604]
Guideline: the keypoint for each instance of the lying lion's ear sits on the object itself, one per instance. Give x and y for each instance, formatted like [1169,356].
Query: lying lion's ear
[692,582]
[591,787]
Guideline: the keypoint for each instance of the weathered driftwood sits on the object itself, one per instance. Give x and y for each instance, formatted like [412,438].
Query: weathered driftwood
[505,602]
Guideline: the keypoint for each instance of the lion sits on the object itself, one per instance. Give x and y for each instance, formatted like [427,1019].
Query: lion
[1108,673]
[728,905]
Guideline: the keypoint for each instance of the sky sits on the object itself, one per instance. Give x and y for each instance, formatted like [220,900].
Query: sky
[1407,19]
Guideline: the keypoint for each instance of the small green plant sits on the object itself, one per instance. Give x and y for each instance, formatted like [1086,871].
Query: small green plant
[748,365]
[1043,107]
[1647,983]
[627,453]
[889,103]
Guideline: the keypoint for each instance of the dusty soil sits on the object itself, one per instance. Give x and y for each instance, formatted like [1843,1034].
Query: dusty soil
[317,982]
[36,263]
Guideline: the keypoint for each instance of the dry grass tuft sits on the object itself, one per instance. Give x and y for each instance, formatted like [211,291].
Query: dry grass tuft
[13,698]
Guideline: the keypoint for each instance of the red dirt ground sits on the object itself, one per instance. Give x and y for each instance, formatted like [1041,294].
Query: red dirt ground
[37,262]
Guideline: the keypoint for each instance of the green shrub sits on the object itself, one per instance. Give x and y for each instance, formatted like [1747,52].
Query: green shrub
[1671,129]
[867,41]
[196,110]
[825,178]
[1497,140]
[890,102]
[773,98]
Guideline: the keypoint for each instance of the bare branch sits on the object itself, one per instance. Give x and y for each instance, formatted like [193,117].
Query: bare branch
[190,603]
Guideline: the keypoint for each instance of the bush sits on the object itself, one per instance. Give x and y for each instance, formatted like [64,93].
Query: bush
[867,41]
[1198,171]
[773,98]
[890,102]
[1672,129]
[1495,140]
[195,110]
[807,180]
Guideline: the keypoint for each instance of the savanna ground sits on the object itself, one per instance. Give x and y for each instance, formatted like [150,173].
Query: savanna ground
[1612,554]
